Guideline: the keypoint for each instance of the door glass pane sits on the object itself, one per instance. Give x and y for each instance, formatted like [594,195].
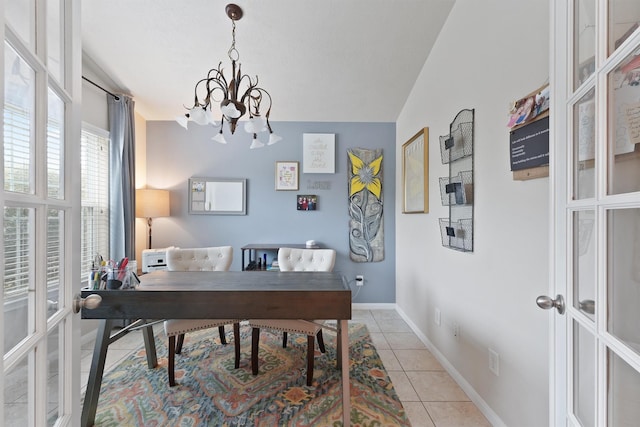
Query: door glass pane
[18,402]
[54,39]
[55,345]
[584,254]
[623,266]
[18,275]
[55,138]
[19,120]
[584,147]
[584,35]
[624,17]
[623,392]
[584,376]
[55,248]
[624,126]
[21,16]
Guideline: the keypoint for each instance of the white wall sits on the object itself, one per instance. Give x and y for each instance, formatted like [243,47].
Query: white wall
[488,54]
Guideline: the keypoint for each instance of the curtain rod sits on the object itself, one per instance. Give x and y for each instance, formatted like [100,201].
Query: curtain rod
[101,88]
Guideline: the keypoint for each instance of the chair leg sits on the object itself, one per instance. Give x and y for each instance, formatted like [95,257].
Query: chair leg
[223,337]
[255,340]
[236,343]
[178,346]
[284,340]
[172,361]
[310,348]
[320,341]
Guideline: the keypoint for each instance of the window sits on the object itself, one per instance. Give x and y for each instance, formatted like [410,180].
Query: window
[94,160]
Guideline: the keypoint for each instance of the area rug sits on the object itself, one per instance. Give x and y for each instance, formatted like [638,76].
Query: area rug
[210,392]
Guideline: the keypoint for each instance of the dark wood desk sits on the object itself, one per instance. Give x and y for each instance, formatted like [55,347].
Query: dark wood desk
[219,295]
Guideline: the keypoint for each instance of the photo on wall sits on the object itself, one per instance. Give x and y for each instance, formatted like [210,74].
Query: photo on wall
[307,202]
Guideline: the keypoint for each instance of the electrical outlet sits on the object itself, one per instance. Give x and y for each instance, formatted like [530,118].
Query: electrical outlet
[436,318]
[359,280]
[494,362]
[456,330]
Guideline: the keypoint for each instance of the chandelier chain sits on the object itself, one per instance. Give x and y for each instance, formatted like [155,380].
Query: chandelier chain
[233,53]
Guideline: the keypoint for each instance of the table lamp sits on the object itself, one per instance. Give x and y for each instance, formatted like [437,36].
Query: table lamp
[151,203]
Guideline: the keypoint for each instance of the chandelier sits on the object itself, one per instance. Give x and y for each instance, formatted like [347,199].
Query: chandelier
[236,97]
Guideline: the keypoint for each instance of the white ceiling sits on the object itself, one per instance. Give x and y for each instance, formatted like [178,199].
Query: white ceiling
[321,60]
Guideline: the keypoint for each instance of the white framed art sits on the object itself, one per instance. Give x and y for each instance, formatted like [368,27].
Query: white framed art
[318,153]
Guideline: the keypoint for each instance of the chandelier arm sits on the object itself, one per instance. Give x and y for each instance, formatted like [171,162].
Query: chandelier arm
[219,75]
[219,79]
[196,102]
[257,98]
[219,86]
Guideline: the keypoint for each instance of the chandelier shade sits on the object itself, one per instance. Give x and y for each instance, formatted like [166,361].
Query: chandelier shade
[237,96]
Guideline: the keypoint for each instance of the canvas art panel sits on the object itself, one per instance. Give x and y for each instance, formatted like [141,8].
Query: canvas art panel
[366,231]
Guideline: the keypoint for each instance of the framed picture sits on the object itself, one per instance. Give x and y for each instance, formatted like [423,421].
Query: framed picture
[217,196]
[307,202]
[319,153]
[287,175]
[415,173]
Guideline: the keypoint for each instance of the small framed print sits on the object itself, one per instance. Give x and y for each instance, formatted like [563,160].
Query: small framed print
[287,175]
[307,202]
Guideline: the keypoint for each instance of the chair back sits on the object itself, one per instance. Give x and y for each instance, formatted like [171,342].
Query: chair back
[217,258]
[291,259]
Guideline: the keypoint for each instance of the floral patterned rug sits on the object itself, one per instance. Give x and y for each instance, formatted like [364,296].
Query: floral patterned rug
[210,392]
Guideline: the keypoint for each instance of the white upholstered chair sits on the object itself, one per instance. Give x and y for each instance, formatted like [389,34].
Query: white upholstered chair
[291,259]
[198,259]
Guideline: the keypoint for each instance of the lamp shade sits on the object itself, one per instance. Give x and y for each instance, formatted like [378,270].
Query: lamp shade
[152,203]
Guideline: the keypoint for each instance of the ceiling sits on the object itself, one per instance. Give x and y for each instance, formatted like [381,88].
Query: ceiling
[321,60]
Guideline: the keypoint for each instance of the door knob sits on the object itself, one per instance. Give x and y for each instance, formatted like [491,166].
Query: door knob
[90,302]
[547,303]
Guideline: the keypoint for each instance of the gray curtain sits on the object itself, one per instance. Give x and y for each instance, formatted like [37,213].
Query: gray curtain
[122,179]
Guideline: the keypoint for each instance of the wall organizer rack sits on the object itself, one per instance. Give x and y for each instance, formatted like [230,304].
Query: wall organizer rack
[456,190]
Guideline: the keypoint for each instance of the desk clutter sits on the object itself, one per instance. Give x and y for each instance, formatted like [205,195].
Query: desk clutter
[113,275]
[262,264]
[257,255]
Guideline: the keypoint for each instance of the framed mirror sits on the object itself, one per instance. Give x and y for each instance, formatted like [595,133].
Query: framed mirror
[217,196]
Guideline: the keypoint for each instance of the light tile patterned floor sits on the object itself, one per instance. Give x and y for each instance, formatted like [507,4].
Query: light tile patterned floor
[429,395]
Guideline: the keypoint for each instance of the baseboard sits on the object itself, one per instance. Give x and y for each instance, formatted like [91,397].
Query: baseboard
[486,410]
[373,306]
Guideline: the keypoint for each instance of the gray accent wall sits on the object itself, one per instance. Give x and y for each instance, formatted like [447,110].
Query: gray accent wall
[174,155]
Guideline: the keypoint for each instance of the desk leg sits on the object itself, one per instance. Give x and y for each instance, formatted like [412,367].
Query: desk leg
[90,404]
[150,346]
[343,363]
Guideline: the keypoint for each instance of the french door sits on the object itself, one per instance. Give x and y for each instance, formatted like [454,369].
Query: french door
[595,176]
[40,196]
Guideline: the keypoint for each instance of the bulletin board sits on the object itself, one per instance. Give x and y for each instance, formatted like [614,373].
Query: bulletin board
[529,135]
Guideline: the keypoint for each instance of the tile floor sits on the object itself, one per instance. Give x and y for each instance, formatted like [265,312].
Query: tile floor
[429,395]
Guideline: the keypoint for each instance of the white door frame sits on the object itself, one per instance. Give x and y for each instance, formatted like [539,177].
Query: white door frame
[64,320]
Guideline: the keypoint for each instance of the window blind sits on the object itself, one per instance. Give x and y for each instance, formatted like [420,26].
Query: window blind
[94,149]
